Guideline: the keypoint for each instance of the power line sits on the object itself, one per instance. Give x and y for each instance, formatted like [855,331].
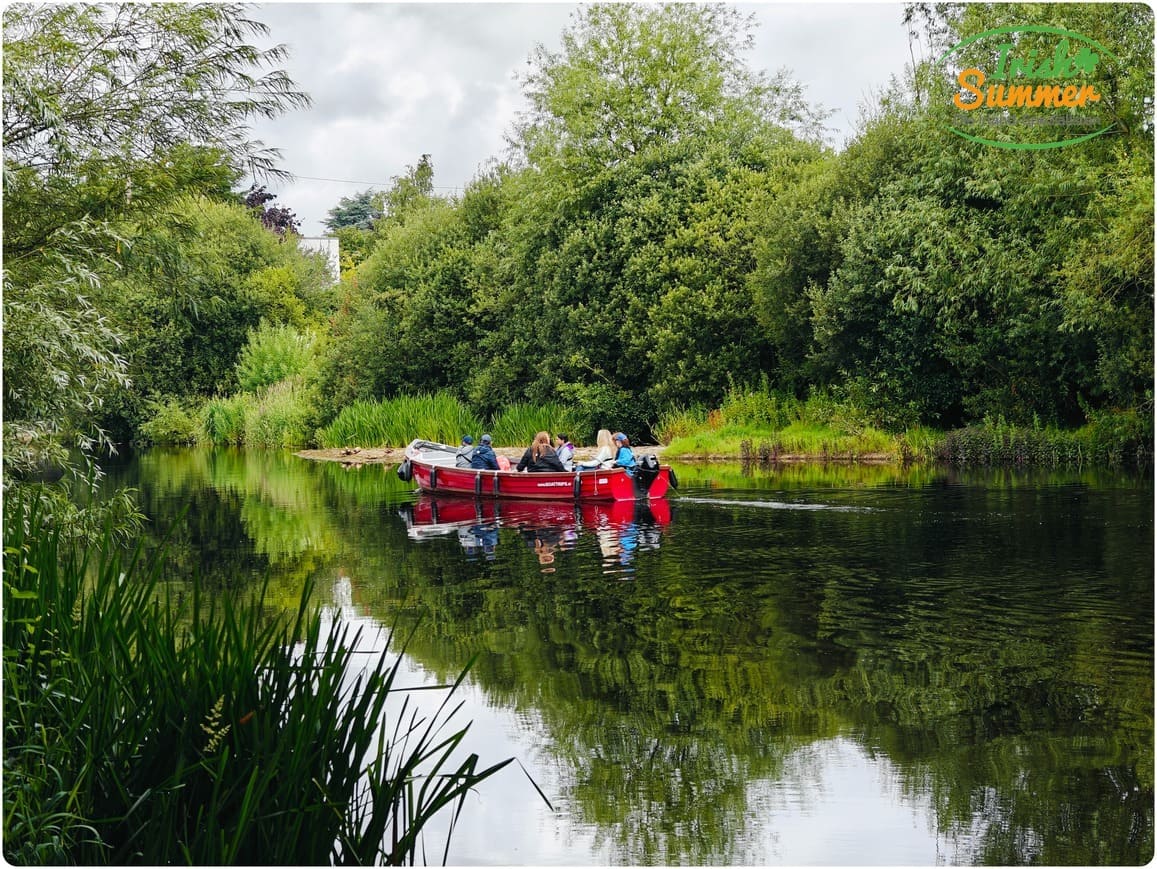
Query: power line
[370,183]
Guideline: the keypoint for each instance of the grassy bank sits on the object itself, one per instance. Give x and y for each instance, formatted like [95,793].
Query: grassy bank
[765,426]
[755,426]
[749,425]
[149,726]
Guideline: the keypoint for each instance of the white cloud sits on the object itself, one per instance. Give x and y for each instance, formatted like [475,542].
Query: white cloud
[393,81]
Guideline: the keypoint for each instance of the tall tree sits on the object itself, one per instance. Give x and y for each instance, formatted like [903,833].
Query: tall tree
[631,76]
[97,101]
[359,211]
[646,140]
[275,218]
[945,280]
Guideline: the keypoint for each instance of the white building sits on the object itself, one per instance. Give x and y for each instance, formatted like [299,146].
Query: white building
[326,246]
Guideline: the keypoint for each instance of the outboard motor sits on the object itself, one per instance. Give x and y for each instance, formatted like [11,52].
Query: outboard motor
[646,470]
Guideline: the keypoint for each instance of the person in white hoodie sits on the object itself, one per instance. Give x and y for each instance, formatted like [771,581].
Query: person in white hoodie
[606,450]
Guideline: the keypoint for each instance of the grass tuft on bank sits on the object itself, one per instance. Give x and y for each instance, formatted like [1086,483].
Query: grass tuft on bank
[152,725]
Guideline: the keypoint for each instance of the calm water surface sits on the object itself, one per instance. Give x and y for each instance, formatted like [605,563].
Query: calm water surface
[803,666]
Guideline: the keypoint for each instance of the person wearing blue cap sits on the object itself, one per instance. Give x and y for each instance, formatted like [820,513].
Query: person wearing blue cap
[624,455]
[465,452]
[484,457]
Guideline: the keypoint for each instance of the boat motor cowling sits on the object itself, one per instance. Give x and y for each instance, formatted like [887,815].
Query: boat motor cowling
[646,470]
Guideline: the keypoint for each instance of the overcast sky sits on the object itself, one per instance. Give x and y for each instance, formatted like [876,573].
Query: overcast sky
[393,81]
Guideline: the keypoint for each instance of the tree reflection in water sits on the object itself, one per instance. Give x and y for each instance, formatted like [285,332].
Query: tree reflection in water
[985,642]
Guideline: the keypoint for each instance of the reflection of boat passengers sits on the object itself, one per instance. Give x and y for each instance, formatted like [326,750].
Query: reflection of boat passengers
[545,551]
[479,538]
[545,542]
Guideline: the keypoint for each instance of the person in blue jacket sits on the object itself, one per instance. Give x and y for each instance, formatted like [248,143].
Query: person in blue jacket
[624,455]
[484,457]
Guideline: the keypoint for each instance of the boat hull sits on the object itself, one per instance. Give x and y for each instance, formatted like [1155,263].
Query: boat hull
[431,473]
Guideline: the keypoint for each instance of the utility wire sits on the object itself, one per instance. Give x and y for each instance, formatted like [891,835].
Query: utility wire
[370,183]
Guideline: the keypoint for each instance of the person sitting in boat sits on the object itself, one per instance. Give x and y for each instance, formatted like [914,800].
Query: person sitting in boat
[484,458]
[465,452]
[624,455]
[605,454]
[565,450]
[540,456]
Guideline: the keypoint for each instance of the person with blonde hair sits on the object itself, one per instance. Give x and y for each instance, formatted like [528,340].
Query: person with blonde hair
[540,456]
[606,450]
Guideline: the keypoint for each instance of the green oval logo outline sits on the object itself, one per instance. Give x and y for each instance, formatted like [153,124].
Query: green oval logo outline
[1027,28]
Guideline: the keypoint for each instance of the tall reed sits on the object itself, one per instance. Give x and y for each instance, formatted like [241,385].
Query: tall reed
[278,415]
[222,421]
[149,724]
[518,424]
[395,422]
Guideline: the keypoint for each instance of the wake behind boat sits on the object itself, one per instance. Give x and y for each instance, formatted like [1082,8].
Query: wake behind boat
[431,466]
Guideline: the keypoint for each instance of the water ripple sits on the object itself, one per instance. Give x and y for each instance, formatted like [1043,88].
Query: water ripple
[778,505]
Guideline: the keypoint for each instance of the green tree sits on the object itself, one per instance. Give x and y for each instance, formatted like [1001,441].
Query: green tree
[646,142]
[938,279]
[109,110]
[125,83]
[630,77]
[188,319]
[409,192]
[359,210]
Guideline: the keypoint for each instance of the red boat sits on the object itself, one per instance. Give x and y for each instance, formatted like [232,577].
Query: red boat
[431,466]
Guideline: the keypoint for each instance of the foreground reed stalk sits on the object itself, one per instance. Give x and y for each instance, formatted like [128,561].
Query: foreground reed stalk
[145,725]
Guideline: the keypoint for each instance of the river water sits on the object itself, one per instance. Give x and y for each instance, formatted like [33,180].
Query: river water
[802,666]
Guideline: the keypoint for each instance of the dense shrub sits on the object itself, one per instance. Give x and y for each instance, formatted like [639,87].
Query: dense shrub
[172,422]
[273,353]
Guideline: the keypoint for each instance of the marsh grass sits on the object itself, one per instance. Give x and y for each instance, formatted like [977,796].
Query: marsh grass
[750,443]
[147,725]
[759,425]
[1112,440]
[222,421]
[278,415]
[518,424]
[397,421]
[754,426]
[439,417]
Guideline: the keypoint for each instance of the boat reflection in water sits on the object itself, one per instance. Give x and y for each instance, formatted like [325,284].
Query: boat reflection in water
[548,528]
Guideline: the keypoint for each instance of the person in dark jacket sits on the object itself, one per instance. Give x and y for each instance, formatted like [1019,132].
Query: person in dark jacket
[540,456]
[484,458]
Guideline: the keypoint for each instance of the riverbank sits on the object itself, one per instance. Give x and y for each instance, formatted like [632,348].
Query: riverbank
[1121,441]
[394,455]
[357,456]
